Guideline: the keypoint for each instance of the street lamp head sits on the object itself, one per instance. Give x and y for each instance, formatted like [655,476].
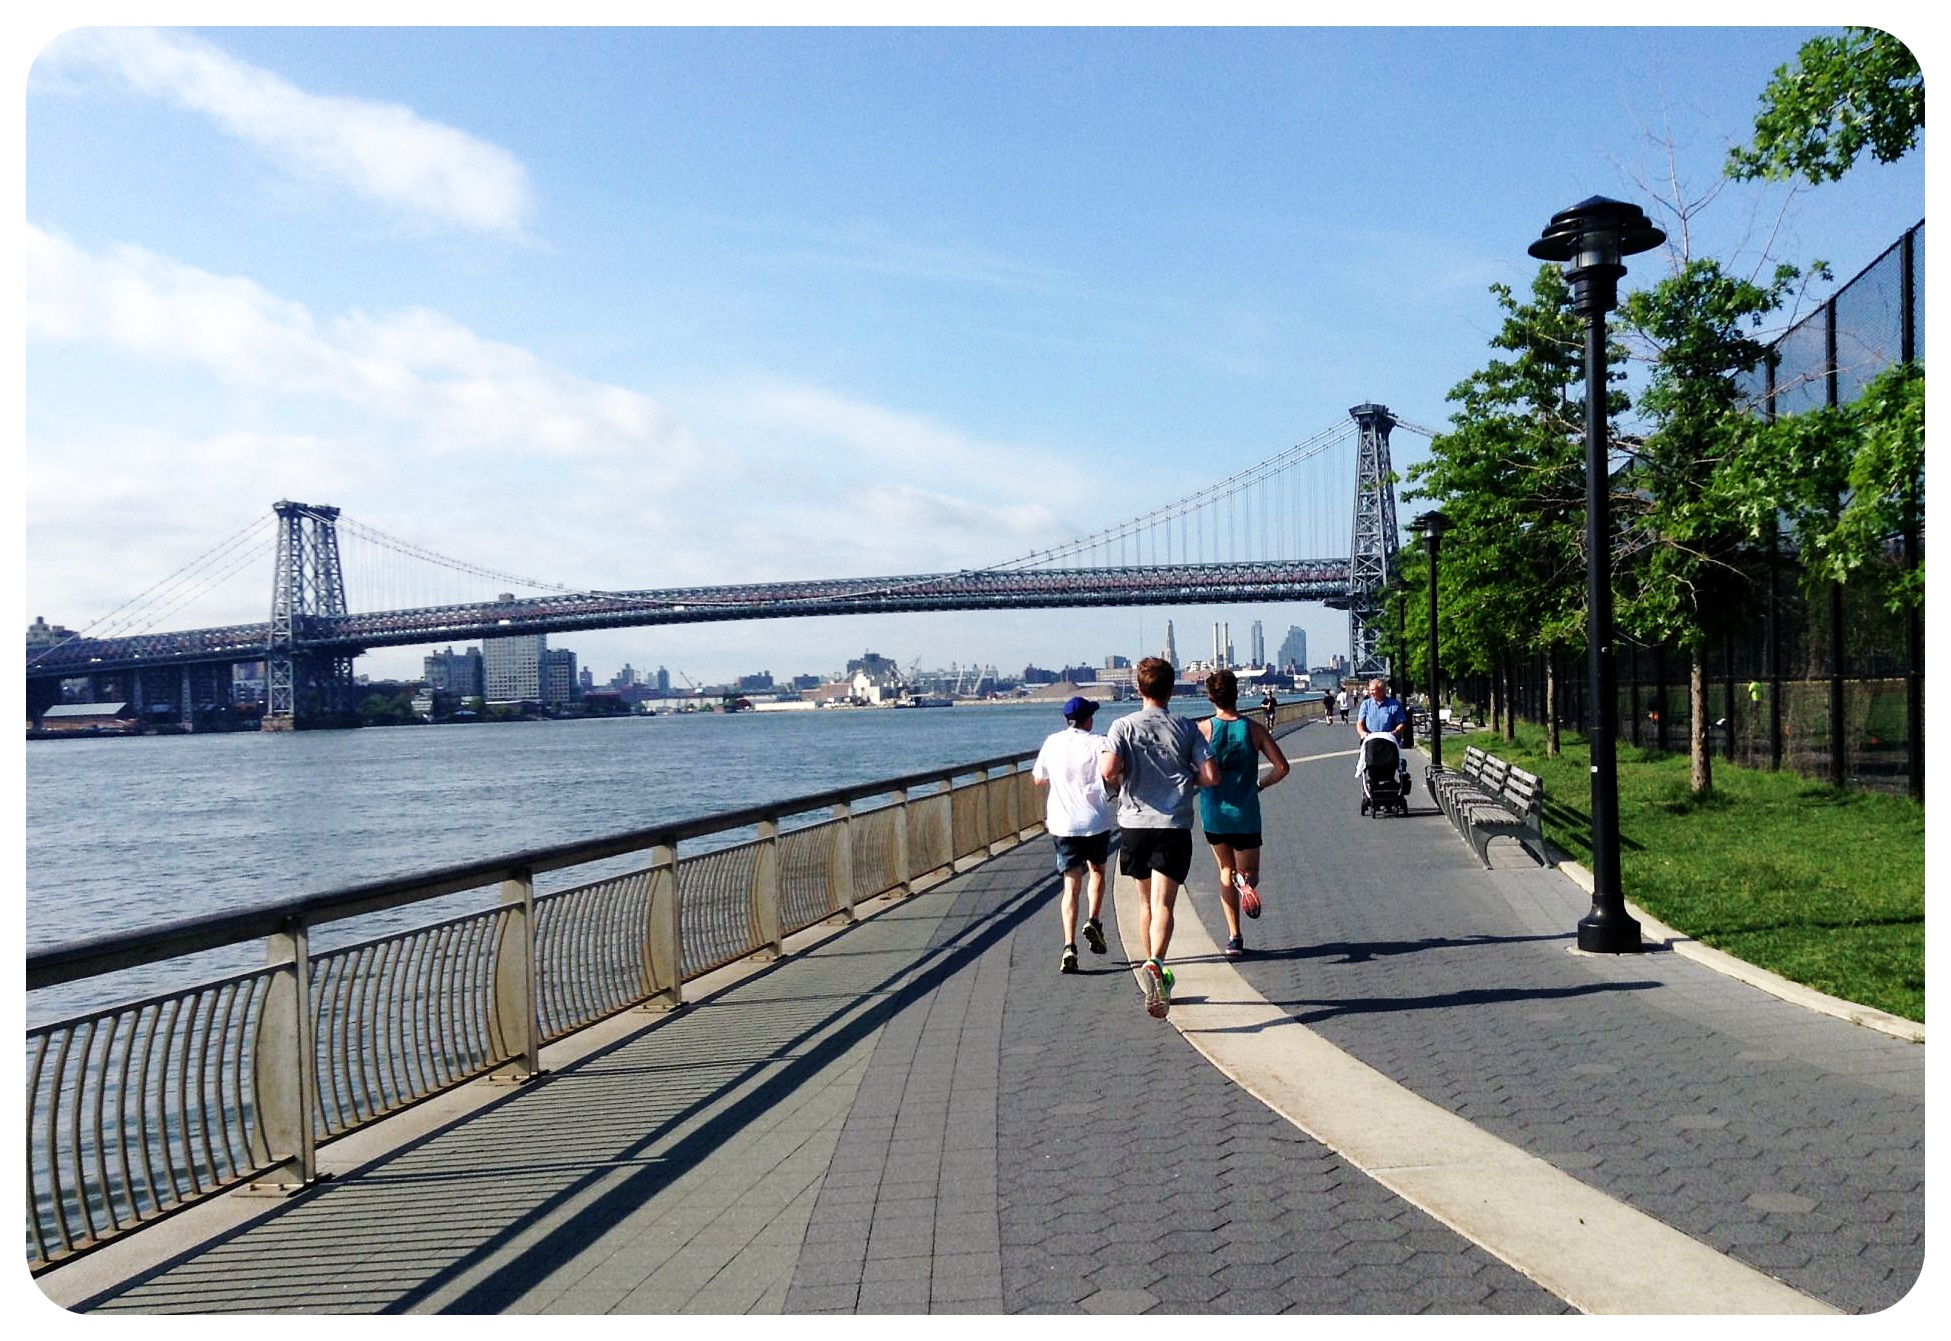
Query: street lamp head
[1589,240]
[1432,524]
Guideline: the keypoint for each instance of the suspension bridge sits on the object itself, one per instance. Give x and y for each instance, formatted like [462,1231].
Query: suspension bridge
[1247,538]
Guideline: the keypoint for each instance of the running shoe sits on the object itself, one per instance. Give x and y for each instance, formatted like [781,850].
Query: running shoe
[1069,964]
[1235,948]
[1094,936]
[1158,998]
[1249,896]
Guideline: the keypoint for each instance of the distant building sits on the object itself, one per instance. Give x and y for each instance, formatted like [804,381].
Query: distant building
[805,682]
[90,718]
[1259,644]
[1293,649]
[1171,647]
[511,668]
[455,673]
[585,681]
[1038,675]
[663,681]
[1115,662]
[876,666]
[750,683]
[558,675]
[43,634]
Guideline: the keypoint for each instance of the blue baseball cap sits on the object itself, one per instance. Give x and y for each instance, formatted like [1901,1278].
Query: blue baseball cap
[1078,706]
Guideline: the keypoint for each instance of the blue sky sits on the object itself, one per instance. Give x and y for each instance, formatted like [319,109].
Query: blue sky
[641,307]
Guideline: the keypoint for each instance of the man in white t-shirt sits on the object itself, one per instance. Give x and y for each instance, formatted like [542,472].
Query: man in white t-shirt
[1078,818]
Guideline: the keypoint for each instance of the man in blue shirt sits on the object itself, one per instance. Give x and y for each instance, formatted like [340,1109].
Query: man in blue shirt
[1381,712]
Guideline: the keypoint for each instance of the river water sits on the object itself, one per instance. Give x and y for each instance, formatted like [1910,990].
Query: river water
[130,832]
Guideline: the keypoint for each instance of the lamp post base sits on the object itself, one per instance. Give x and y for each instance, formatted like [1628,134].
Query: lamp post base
[1608,932]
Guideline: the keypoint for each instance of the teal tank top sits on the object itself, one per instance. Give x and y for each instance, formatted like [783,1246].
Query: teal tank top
[1234,805]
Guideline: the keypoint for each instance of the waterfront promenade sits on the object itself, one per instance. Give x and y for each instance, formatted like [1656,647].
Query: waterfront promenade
[1413,1097]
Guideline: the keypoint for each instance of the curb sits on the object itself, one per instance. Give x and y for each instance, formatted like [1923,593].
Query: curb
[1656,931]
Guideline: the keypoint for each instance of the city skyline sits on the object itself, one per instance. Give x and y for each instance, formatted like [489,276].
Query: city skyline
[623,307]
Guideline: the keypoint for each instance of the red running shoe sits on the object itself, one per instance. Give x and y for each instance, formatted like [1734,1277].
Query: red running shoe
[1249,896]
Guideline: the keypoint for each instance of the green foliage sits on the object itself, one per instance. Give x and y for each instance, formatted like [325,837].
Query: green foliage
[1886,479]
[1841,480]
[1702,327]
[1510,476]
[1862,90]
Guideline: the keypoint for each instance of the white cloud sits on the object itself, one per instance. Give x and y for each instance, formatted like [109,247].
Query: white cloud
[469,447]
[385,152]
[462,393]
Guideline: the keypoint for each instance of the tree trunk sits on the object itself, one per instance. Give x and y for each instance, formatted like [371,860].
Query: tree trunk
[1551,703]
[1510,698]
[1703,760]
[1496,700]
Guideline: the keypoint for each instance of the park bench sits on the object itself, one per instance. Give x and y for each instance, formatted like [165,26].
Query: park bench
[1490,798]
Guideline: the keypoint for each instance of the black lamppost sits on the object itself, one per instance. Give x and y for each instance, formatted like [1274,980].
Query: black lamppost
[1589,239]
[1431,526]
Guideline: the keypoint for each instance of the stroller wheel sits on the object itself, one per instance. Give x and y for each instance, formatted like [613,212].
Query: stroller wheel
[1365,805]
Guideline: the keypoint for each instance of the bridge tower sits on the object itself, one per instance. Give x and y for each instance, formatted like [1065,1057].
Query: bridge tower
[307,583]
[1372,549]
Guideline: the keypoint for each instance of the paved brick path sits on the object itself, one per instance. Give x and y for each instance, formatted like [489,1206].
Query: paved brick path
[922,1115]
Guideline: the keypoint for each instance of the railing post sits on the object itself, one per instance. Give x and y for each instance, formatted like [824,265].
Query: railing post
[840,869]
[904,872]
[948,818]
[663,953]
[514,1023]
[285,1064]
[764,917]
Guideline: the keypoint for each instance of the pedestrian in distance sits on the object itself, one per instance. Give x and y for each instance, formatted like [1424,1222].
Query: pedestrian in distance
[1158,762]
[1327,707]
[1078,817]
[1343,702]
[1230,811]
[1270,705]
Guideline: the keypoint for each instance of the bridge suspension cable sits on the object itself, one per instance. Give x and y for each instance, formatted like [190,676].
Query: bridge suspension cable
[143,612]
[1160,518]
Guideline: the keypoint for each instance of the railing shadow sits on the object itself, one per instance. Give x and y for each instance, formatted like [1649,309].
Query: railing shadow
[791,1060]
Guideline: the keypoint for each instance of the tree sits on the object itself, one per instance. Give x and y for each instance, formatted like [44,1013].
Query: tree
[1510,475]
[1701,325]
[1862,90]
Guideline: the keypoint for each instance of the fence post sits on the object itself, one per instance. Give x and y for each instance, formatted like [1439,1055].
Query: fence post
[840,870]
[765,894]
[514,1025]
[663,952]
[285,1063]
[948,817]
[904,872]
[1914,615]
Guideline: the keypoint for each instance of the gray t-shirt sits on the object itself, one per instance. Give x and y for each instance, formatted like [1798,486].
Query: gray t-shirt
[1161,756]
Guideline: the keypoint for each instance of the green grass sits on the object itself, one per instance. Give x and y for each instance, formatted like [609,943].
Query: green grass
[1824,887]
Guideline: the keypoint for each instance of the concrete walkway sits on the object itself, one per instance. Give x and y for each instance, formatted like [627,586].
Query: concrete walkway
[1412,1097]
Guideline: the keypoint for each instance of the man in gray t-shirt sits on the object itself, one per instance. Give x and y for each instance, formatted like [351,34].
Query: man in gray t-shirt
[1158,762]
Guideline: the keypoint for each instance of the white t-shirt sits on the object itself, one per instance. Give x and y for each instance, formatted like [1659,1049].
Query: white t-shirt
[1068,762]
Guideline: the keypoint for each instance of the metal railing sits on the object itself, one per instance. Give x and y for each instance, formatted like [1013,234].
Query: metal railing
[138,1109]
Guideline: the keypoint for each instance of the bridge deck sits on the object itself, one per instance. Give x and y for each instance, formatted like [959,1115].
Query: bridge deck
[919,1114]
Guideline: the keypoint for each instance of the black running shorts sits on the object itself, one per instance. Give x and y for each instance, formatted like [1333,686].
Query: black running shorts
[1088,850]
[1166,851]
[1239,842]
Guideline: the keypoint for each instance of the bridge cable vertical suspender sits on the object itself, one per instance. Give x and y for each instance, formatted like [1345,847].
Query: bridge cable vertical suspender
[1372,546]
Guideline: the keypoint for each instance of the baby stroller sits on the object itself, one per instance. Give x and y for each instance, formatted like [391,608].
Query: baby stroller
[1385,776]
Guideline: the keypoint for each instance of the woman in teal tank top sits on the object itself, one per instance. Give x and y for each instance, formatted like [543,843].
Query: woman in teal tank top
[1230,812]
